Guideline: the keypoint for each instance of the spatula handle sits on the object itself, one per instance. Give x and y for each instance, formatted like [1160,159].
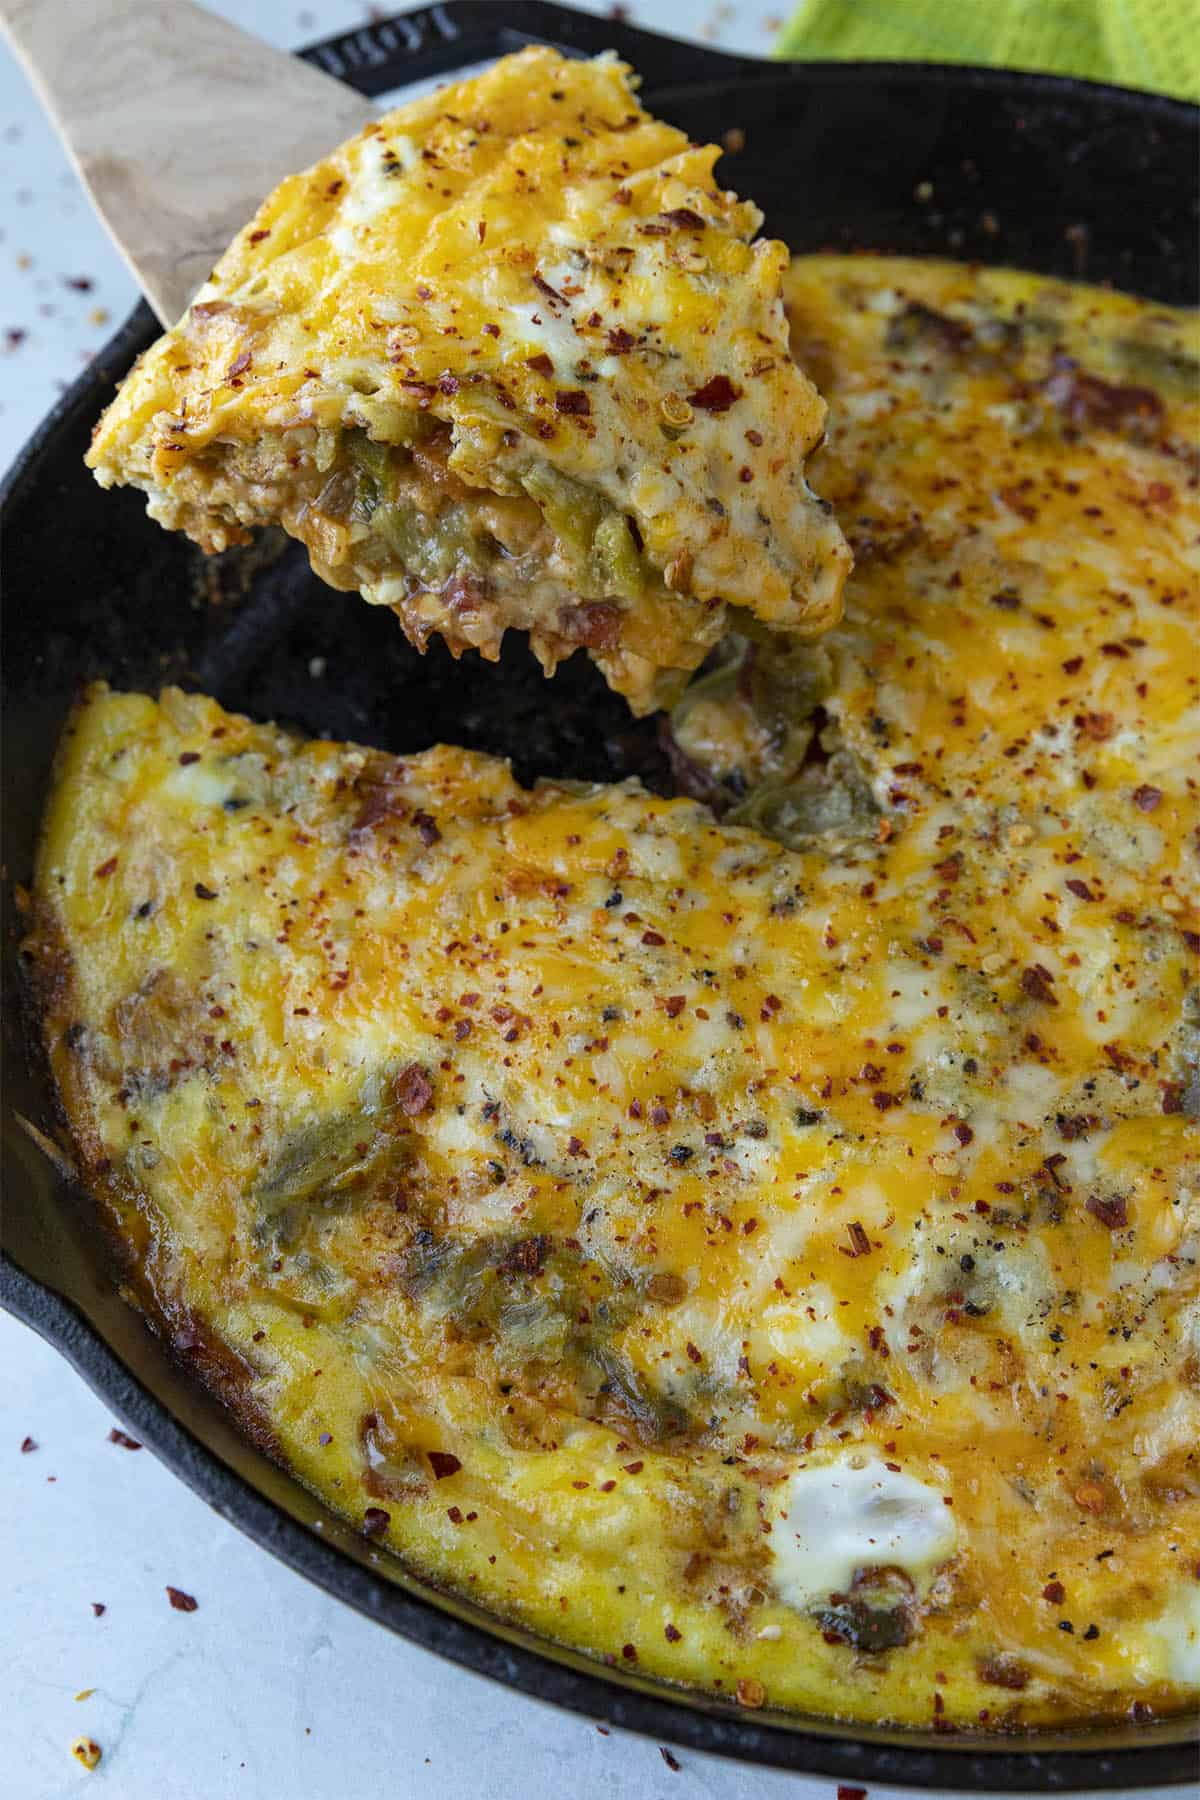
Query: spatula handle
[178,123]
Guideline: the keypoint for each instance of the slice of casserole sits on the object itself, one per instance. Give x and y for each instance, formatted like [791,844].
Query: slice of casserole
[509,358]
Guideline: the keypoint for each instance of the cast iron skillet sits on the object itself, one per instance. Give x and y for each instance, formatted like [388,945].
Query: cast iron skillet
[1058,176]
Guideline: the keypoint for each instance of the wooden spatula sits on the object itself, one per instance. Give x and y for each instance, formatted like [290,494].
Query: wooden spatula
[178,123]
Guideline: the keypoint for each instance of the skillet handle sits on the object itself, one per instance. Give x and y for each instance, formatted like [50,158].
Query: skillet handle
[440,39]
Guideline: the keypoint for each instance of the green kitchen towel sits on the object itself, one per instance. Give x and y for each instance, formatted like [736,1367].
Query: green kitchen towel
[1151,44]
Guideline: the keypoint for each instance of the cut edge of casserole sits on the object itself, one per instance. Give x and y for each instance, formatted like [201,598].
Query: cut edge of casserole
[510,358]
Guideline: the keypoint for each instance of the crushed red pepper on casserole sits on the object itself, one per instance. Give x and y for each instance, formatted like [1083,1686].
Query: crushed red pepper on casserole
[763,1252]
[499,362]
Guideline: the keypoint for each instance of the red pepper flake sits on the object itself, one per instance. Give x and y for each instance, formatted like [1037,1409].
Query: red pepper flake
[1080,889]
[629,1653]
[673,1005]
[28,1444]
[1172,1096]
[106,868]
[846,1792]
[685,218]
[188,756]
[454,1514]
[1112,1213]
[1072,665]
[375,1521]
[694,1355]
[755,438]
[716,396]
[951,868]
[1016,502]
[462,1029]
[1074,1125]
[672,1762]
[653,937]
[426,828]
[1113,650]
[414,1090]
[543,287]
[620,341]
[572,401]
[180,1601]
[238,366]
[633,1468]
[860,1243]
[1052,1164]
[672,1634]
[964,1134]
[117,1436]
[1146,798]
[540,363]
[204,893]
[1036,982]
[883,1101]
[1054,1592]
[443,1464]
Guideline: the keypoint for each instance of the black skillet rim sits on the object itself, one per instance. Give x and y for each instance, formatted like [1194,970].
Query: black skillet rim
[435,40]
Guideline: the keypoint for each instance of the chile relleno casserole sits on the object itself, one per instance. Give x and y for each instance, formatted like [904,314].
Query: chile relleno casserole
[770,1265]
[509,358]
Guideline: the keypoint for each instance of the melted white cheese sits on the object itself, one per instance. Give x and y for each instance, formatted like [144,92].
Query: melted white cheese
[1177,1637]
[834,1519]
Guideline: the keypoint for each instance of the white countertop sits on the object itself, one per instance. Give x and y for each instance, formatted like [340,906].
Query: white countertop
[268,1689]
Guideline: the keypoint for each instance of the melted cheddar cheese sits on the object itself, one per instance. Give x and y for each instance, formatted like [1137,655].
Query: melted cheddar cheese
[510,357]
[770,1266]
